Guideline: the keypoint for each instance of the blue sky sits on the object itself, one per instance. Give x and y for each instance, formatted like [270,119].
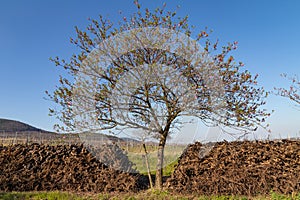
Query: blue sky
[32,31]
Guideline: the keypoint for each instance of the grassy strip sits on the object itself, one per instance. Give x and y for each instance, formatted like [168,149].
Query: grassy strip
[147,195]
[135,154]
[55,195]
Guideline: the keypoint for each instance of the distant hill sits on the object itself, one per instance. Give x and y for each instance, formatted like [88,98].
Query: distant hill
[23,129]
[7,125]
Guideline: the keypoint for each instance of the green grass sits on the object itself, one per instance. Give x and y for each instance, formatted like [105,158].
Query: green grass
[135,154]
[55,195]
[147,195]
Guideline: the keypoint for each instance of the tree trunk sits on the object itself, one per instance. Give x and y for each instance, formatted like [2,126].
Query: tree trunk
[148,166]
[160,163]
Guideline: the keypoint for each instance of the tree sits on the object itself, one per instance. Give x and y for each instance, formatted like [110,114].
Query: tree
[147,73]
[293,93]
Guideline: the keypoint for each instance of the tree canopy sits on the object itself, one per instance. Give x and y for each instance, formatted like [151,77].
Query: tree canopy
[146,72]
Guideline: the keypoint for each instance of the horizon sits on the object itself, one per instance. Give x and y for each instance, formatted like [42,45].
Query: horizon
[267,33]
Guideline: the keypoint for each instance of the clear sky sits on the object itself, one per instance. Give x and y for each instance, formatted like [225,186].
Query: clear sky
[268,32]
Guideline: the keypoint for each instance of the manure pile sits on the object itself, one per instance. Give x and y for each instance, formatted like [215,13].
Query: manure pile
[39,167]
[240,168]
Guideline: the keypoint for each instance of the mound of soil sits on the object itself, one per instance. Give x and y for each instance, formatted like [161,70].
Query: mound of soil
[39,167]
[112,156]
[240,168]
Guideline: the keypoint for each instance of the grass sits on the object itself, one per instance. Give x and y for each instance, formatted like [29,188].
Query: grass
[55,195]
[147,195]
[172,152]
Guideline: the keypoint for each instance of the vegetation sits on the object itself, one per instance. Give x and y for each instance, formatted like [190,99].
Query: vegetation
[150,195]
[40,195]
[146,73]
[172,152]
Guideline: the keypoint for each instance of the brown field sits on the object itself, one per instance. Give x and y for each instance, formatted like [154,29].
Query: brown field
[230,168]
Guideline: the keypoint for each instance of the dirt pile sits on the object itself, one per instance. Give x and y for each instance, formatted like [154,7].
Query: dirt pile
[38,167]
[241,168]
[112,156]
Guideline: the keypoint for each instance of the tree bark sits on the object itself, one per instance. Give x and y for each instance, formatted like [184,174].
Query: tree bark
[160,163]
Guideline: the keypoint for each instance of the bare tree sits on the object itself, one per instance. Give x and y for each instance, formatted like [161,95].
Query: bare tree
[147,73]
[293,93]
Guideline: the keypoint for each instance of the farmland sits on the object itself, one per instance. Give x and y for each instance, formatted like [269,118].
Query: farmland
[241,168]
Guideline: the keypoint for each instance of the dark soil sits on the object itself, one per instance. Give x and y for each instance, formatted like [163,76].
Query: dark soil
[39,167]
[240,168]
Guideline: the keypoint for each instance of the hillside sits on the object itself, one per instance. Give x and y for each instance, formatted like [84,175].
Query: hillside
[7,125]
[11,127]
